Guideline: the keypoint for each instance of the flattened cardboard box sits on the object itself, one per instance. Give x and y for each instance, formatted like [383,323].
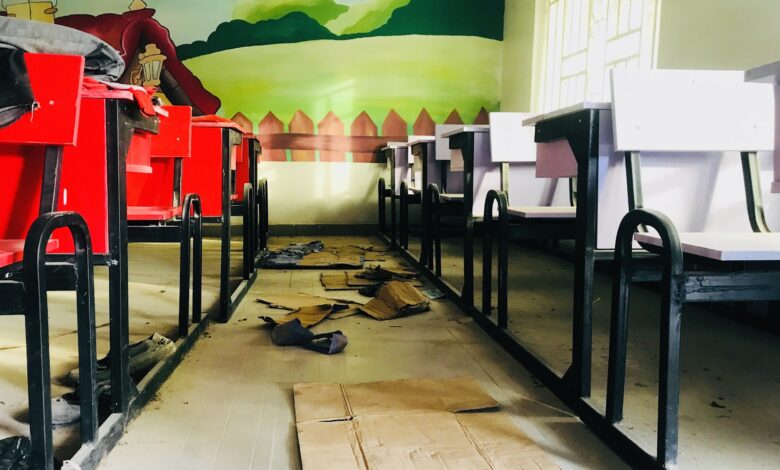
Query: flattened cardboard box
[409,424]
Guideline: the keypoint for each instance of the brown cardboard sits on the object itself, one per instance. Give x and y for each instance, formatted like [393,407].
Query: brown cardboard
[296,301]
[396,299]
[309,309]
[416,424]
[344,257]
[352,281]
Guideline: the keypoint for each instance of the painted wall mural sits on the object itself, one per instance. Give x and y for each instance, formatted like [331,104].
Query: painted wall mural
[327,80]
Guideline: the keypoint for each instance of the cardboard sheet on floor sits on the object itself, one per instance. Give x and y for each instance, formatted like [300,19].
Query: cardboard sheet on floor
[418,423]
[296,301]
[310,309]
[343,257]
[396,299]
[346,280]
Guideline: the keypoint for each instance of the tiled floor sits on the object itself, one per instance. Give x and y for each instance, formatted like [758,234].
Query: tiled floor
[725,362]
[229,404]
[154,290]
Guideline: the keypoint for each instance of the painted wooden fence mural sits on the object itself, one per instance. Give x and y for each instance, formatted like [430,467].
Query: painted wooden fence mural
[332,142]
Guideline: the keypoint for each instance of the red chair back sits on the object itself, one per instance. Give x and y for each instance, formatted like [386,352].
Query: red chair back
[202,173]
[23,143]
[173,142]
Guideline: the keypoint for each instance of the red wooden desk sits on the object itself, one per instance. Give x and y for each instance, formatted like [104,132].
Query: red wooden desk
[215,146]
[31,157]
[112,139]
[156,211]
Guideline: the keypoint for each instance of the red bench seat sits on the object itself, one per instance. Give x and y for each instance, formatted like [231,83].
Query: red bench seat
[156,213]
[12,251]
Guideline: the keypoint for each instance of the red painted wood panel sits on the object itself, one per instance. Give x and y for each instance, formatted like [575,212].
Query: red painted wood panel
[56,83]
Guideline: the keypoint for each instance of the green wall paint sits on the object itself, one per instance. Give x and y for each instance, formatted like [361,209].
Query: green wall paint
[517,55]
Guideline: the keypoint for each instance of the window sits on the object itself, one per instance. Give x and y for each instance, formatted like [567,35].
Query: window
[584,39]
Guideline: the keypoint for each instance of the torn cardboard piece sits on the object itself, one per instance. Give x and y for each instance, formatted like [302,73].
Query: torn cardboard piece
[296,301]
[352,281]
[309,309]
[313,255]
[409,424]
[396,299]
[332,258]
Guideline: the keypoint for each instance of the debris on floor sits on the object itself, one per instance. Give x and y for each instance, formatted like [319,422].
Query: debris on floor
[296,301]
[433,293]
[396,299]
[309,309]
[143,356]
[419,423]
[16,453]
[313,255]
[293,333]
[373,276]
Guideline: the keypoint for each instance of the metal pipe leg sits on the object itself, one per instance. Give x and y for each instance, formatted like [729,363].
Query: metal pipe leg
[37,334]
[184,274]
[404,215]
[671,315]
[381,205]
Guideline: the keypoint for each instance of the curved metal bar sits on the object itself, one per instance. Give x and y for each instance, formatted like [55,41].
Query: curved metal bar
[404,216]
[248,231]
[501,231]
[755,205]
[262,225]
[37,331]
[381,192]
[671,310]
[435,220]
[191,208]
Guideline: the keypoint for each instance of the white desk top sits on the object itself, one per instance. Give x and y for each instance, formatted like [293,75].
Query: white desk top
[420,139]
[744,246]
[543,212]
[465,129]
[567,110]
[768,73]
[395,145]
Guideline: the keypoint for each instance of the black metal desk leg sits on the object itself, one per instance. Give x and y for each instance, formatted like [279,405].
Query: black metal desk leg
[584,144]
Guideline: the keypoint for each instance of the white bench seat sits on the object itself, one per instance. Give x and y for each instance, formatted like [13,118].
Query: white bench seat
[543,212]
[742,246]
[451,197]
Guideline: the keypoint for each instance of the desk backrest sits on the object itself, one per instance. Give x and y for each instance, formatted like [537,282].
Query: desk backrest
[175,136]
[691,111]
[202,174]
[59,97]
[510,141]
[443,143]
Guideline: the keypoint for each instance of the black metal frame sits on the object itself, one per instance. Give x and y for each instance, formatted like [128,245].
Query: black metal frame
[424,149]
[581,130]
[229,300]
[122,119]
[180,230]
[257,228]
[683,279]
[506,228]
[384,192]
[405,199]
[716,283]
[24,292]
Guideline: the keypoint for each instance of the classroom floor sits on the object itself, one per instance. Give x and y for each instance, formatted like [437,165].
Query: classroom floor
[730,379]
[154,296]
[229,404]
